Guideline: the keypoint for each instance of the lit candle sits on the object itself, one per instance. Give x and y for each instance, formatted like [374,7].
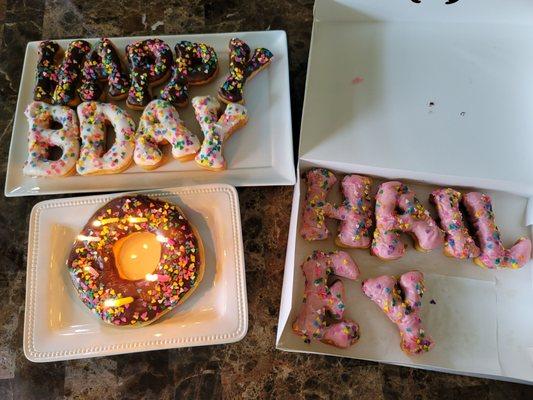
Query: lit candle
[118,302]
[137,255]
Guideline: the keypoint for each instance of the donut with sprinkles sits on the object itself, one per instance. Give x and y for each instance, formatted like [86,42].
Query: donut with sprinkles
[95,273]
[95,118]
[243,65]
[104,65]
[196,64]
[46,77]
[150,65]
[43,137]
[69,74]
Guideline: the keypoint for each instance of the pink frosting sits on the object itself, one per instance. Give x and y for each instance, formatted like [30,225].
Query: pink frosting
[458,242]
[400,300]
[320,296]
[319,183]
[412,218]
[493,254]
[355,212]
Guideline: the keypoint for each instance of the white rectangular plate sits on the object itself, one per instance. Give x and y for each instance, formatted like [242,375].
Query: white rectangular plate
[258,154]
[58,326]
[397,105]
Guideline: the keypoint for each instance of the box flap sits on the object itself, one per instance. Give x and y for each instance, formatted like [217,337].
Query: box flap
[446,100]
[288,272]
[513,11]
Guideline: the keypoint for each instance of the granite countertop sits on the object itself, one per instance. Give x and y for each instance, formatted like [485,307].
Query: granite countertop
[252,368]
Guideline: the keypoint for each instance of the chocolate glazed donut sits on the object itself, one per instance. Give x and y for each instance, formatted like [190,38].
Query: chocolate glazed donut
[150,63]
[97,276]
[196,64]
[49,53]
[104,65]
[56,84]
[243,65]
[69,74]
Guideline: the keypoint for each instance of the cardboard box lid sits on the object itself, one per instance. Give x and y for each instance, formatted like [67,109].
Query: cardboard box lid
[430,91]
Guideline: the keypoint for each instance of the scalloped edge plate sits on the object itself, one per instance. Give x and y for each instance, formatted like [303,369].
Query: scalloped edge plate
[58,326]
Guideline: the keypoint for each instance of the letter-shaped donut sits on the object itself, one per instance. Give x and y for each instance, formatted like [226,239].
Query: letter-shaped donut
[397,211]
[458,242]
[321,297]
[46,79]
[355,213]
[93,118]
[319,183]
[196,64]
[40,116]
[104,65]
[493,254]
[160,123]
[69,73]
[241,68]
[150,64]
[216,130]
[400,300]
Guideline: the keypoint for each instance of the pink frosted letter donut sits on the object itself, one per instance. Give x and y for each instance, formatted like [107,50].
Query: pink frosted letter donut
[397,211]
[319,183]
[355,213]
[320,297]
[400,299]
[493,254]
[458,243]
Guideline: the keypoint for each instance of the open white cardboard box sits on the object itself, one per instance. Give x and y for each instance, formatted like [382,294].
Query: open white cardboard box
[434,95]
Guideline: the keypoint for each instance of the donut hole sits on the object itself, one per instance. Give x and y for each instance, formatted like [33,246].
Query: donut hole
[54,153]
[400,291]
[149,59]
[137,256]
[110,137]
[398,210]
[468,223]
[55,125]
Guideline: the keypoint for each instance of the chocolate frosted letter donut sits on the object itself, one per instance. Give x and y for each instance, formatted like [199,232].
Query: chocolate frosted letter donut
[129,297]
[241,68]
[400,300]
[94,118]
[42,137]
[321,297]
[319,183]
[493,254]
[150,63]
[458,242]
[217,130]
[69,73]
[196,64]
[46,71]
[104,65]
[161,124]
[355,213]
[397,211]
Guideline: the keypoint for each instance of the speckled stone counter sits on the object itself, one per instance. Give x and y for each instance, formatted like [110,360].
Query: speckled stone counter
[252,368]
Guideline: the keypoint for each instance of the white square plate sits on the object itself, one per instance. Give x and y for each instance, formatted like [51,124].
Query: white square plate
[58,326]
[259,154]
